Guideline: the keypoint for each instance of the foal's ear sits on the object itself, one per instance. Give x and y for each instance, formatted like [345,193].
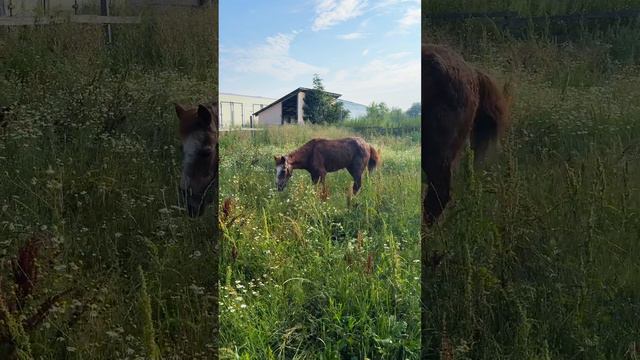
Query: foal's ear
[204,115]
[179,110]
[279,160]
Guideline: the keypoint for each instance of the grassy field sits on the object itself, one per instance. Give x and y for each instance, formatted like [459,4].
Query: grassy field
[89,166]
[541,245]
[305,278]
[528,8]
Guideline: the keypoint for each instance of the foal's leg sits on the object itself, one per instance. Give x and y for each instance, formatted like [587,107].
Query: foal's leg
[438,193]
[446,132]
[357,183]
[315,177]
[323,175]
[319,179]
[356,172]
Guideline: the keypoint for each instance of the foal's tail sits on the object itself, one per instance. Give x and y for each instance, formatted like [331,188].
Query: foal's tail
[374,158]
[492,118]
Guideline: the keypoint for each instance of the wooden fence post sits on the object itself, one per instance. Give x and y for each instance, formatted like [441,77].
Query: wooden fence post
[104,11]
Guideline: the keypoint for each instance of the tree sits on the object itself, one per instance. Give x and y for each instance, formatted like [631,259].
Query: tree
[377,112]
[315,102]
[320,107]
[396,114]
[336,113]
[415,110]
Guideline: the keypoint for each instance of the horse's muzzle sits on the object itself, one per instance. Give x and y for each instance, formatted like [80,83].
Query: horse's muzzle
[195,204]
[195,211]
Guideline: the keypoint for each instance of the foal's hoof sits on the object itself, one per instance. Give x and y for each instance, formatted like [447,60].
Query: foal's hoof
[323,195]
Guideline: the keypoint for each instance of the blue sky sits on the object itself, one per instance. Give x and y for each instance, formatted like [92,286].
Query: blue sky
[365,50]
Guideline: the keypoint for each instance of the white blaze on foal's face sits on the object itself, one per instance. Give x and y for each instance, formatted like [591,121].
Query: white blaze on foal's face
[198,131]
[190,149]
[283,172]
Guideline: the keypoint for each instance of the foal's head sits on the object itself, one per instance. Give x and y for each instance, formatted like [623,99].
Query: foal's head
[199,135]
[283,172]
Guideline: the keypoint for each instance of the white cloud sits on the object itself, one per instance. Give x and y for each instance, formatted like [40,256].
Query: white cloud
[271,58]
[398,55]
[411,17]
[332,12]
[388,3]
[365,52]
[351,36]
[386,79]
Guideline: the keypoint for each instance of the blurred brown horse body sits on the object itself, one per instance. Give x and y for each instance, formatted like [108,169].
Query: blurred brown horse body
[199,135]
[461,104]
[322,156]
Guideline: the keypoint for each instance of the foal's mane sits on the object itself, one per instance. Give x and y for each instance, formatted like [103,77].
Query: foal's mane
[301,155]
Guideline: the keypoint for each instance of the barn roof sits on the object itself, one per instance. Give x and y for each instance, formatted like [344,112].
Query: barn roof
[291,94]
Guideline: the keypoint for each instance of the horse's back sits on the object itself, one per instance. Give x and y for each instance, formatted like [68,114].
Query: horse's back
[337,144]
[448,79]
[336,154]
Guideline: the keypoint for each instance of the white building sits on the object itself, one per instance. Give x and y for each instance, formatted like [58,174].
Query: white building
[246,111]
[287,109]
[237,110]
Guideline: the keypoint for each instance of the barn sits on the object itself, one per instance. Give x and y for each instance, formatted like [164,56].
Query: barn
[236,111]
[287,109]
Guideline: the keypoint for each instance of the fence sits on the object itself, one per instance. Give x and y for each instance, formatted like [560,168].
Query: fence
[513,20]
[104,18]
[7,18]
[381,130]
[78,19]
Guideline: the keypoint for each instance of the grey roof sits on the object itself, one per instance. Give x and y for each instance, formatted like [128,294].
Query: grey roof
[289,95]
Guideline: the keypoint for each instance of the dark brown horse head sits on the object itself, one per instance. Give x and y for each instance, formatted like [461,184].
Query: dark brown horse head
[199,135]
[283,172]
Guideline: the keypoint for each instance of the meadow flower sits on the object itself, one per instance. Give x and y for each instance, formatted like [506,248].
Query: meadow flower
[199,290]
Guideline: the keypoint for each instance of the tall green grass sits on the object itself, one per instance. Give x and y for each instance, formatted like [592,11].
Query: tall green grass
[304,278]
[597,45]
[89,160]
[541,244]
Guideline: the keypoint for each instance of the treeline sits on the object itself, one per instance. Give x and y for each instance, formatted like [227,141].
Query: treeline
[320,107]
